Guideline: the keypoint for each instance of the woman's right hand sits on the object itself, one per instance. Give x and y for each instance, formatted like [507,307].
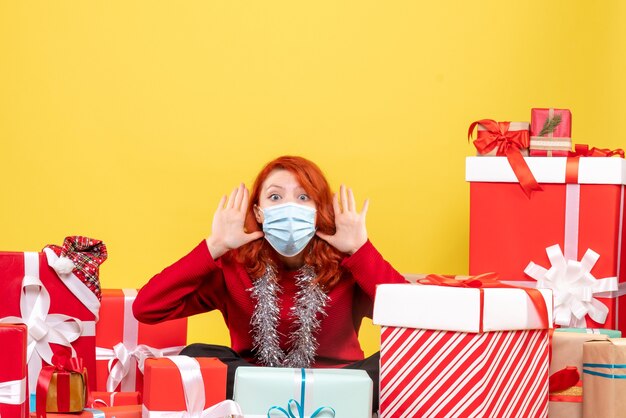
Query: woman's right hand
[228,222]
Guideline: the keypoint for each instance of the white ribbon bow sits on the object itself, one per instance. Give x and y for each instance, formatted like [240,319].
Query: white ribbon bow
[43,328]
[13,392]
[193,388]
[573,287]
[121,360]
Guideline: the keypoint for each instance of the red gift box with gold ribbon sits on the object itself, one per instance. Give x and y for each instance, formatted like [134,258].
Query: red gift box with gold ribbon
[567,237]
[13,371]
[123,343]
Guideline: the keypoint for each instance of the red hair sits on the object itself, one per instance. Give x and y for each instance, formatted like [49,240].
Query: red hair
[323,257]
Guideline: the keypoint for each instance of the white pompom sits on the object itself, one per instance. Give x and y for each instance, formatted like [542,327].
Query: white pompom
[63,265]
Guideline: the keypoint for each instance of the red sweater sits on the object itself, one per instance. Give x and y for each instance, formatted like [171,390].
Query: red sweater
[197,283]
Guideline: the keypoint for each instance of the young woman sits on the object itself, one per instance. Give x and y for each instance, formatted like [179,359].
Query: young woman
[290,268]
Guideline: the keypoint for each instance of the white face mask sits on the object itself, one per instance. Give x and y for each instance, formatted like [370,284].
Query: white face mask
[288,227]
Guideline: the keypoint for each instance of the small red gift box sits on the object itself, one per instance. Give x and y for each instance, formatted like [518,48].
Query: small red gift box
[123,411]
[550,132]
[567,237]
[122,343]
[13,371]
[44,291]
[180,386]
[463,351]
[106,399]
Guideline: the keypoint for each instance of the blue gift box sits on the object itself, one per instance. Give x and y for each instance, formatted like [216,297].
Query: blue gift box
[303,393]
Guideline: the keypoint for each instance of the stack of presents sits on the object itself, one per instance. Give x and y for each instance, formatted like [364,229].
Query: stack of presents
[533,331]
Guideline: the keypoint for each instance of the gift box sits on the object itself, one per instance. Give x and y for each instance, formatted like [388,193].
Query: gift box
[106,399]
[463,351]
[62,387]
[567,237]
[180,386]
[13,370]
[509,139]
[55,293]
[611,333]
[550,132]
[566,394]
[264,391]
[604,378]
[124,411]
[122,343]
[497,138]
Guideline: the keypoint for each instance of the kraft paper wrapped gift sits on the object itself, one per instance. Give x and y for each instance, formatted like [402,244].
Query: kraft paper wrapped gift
[550,132]
[567,352]
[567,237]
[107,399]
[446,353]
[181,386]
[56,298]
[13,371]
[604,378]
[123,343]
[124,411]
[267,391]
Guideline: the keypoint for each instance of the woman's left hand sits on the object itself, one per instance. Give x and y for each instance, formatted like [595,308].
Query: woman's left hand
[350,232]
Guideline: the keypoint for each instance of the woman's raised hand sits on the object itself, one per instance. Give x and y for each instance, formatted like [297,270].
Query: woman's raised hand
[227,232]
[350,231]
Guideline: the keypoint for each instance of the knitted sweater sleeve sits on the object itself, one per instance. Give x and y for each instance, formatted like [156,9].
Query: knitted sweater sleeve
[369,268]
[194,284]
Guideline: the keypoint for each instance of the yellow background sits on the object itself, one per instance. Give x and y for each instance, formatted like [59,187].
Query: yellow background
[127,120]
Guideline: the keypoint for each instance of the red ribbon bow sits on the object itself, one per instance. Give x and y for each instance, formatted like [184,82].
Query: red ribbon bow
[509,144]
[489,280]
[583,150]
[563,379]
[63,366]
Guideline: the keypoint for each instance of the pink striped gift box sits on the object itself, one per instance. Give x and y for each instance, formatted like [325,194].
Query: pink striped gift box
[461,352]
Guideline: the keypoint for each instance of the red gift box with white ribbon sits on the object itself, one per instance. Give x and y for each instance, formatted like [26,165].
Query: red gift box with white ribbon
[463,351]
[184,387]
[43,290]
[13,339]
[123,344]
[567,237]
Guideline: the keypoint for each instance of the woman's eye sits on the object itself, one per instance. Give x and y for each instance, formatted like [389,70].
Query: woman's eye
[274,197]
[303,197]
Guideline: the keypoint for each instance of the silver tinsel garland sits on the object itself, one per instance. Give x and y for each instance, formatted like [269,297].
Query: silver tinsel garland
[310,300]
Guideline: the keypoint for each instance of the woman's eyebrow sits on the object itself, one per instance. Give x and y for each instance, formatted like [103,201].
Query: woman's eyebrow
[275,186]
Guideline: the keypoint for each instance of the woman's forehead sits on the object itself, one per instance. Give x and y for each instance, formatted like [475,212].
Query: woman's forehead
[280,178]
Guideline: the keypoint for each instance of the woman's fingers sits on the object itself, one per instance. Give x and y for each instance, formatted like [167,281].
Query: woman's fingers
[239,196]
[351,202]
[366,205]
[245,199]
[344,198]
[231,198]
[220,205]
